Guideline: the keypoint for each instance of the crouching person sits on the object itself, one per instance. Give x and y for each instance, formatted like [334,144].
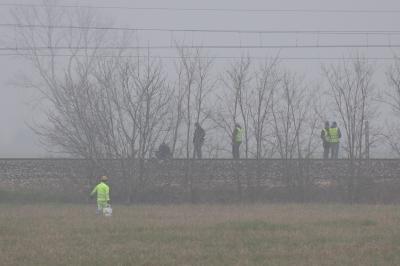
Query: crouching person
[103,194]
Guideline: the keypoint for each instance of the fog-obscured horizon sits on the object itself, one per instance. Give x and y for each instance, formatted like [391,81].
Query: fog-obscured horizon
[20,106]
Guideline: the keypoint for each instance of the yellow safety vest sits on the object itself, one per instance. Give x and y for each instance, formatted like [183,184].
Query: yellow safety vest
[103,192]
[239,134]
[333,135]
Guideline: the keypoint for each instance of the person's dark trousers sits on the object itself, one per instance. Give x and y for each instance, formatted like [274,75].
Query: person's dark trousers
[197,151]
[235,150]
[334,150]
[325,145]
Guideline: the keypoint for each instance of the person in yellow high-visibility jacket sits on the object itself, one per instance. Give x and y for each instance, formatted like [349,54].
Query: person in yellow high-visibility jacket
[237,136]
[325,140]
[103,194]
[334,139]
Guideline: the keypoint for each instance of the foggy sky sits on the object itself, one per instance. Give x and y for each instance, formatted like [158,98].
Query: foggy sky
[19,106]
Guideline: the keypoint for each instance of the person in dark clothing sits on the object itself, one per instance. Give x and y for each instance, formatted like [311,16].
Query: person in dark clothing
[237,136]
[325,140]
[163,152]
[198,140]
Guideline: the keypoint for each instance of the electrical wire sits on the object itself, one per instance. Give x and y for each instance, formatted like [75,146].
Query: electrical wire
[319,32]
[210,57]
[165,47]
[232,10]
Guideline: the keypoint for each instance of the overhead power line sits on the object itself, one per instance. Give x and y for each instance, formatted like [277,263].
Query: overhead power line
[161,47]
[321,32]
[234,10]
[212,57]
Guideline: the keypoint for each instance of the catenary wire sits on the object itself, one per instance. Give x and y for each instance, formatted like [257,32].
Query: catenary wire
[235,10]
[166,47]
[209,57]
[320,32]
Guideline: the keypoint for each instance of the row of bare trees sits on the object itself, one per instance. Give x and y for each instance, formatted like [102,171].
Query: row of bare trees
[114,104]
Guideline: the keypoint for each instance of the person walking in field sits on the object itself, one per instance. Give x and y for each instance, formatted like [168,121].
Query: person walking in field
[334,139]
[237,136]
[198,140]
[103,194]
[325,140]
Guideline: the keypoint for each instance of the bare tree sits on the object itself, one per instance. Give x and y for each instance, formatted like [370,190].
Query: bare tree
[194,85]
[136,98]
[63,81]
[392,98]
[267,79]
[294,123]
[98,106]
[352,93]
[177,108]
[291,112]
[187,66]
[393,95]
[236,98]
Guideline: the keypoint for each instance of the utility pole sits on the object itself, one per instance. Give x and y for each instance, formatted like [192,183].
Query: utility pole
[366,140]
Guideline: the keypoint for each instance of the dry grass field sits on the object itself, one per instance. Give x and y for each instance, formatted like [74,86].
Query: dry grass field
[287,234]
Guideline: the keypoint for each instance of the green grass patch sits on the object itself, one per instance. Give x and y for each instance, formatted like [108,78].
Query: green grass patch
[253,226]
[40,197]
[347,223]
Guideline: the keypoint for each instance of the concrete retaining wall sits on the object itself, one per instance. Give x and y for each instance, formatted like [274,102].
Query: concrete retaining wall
[207,180]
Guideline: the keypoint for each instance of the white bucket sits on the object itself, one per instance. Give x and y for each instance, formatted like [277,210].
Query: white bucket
[107,211]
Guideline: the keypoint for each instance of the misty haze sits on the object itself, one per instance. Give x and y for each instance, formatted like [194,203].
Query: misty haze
[199,133]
